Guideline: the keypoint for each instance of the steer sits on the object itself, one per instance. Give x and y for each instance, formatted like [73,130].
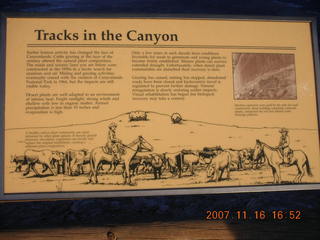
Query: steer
[75,159]
[218,164]
[157,162]
[189,158]
[43,157]
[174,162]
[236,158]
[19,161]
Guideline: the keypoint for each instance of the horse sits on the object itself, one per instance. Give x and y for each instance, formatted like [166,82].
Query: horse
[124,155]
[138,145]
[274,159]
[218,164]
[98,156]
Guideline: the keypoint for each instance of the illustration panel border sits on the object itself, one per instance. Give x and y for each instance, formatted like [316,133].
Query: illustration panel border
[150,192]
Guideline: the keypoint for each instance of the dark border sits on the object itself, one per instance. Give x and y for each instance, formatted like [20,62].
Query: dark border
[150,192]
[3,30]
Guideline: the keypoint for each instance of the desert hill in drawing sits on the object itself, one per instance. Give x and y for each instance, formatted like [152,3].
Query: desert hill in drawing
[165,137]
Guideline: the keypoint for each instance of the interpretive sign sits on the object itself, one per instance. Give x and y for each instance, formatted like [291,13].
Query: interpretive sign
[149,106]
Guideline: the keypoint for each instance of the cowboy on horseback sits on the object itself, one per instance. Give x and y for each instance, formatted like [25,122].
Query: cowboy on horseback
[112,141]
[284,146]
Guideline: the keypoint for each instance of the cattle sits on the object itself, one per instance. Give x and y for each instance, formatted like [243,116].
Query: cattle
[134,165]
[212,149]
[189,158]
[246,158]
[19,161]
[218,164]
[209,152]
[174,163]
[249,160]
[75,159]
[236,159]
[138,116]
[146,162]
[176,118]
[46,158]
[149,162]
[142,159]
[158,161]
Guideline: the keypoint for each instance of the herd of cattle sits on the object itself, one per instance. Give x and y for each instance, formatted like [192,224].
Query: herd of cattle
[77,162]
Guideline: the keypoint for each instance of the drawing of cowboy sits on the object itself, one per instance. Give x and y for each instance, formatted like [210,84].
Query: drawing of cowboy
[112,139]
[284,145]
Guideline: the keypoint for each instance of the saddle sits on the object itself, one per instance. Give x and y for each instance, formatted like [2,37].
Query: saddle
[289,155]
[106,150]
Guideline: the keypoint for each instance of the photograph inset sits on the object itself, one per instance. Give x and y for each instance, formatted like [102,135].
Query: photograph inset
[264,76]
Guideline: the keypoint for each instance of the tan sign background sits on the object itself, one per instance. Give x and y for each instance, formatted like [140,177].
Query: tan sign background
[173,55]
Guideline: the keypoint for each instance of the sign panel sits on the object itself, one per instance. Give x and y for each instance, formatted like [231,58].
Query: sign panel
[143,106]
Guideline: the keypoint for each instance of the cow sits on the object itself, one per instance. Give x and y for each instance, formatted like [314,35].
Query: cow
[218,164]
[134,165]
[236,159]
[19,161]
[141,159]
[209,152]
[249,160]
[157,163]
[46,158]
[174,162]
[75,159]
[138,116]
[150,162]
[246,156]
[189,158]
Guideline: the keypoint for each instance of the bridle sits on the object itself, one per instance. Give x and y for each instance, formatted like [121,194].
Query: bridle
[140,148]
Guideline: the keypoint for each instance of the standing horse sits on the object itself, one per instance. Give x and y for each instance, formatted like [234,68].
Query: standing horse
[274,159]
[131,150]
[99,156]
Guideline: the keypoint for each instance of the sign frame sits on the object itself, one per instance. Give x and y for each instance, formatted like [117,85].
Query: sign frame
[150,192]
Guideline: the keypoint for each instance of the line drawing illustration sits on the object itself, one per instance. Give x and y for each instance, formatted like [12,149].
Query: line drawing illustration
[129,152]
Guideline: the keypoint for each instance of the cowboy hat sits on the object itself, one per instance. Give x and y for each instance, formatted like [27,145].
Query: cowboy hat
[112,125]
[283,130]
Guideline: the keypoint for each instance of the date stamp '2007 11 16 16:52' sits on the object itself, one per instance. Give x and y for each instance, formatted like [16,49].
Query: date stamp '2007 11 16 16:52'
[254,215]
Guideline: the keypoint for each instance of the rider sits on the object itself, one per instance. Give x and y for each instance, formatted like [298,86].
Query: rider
[284,145]
[112,140]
